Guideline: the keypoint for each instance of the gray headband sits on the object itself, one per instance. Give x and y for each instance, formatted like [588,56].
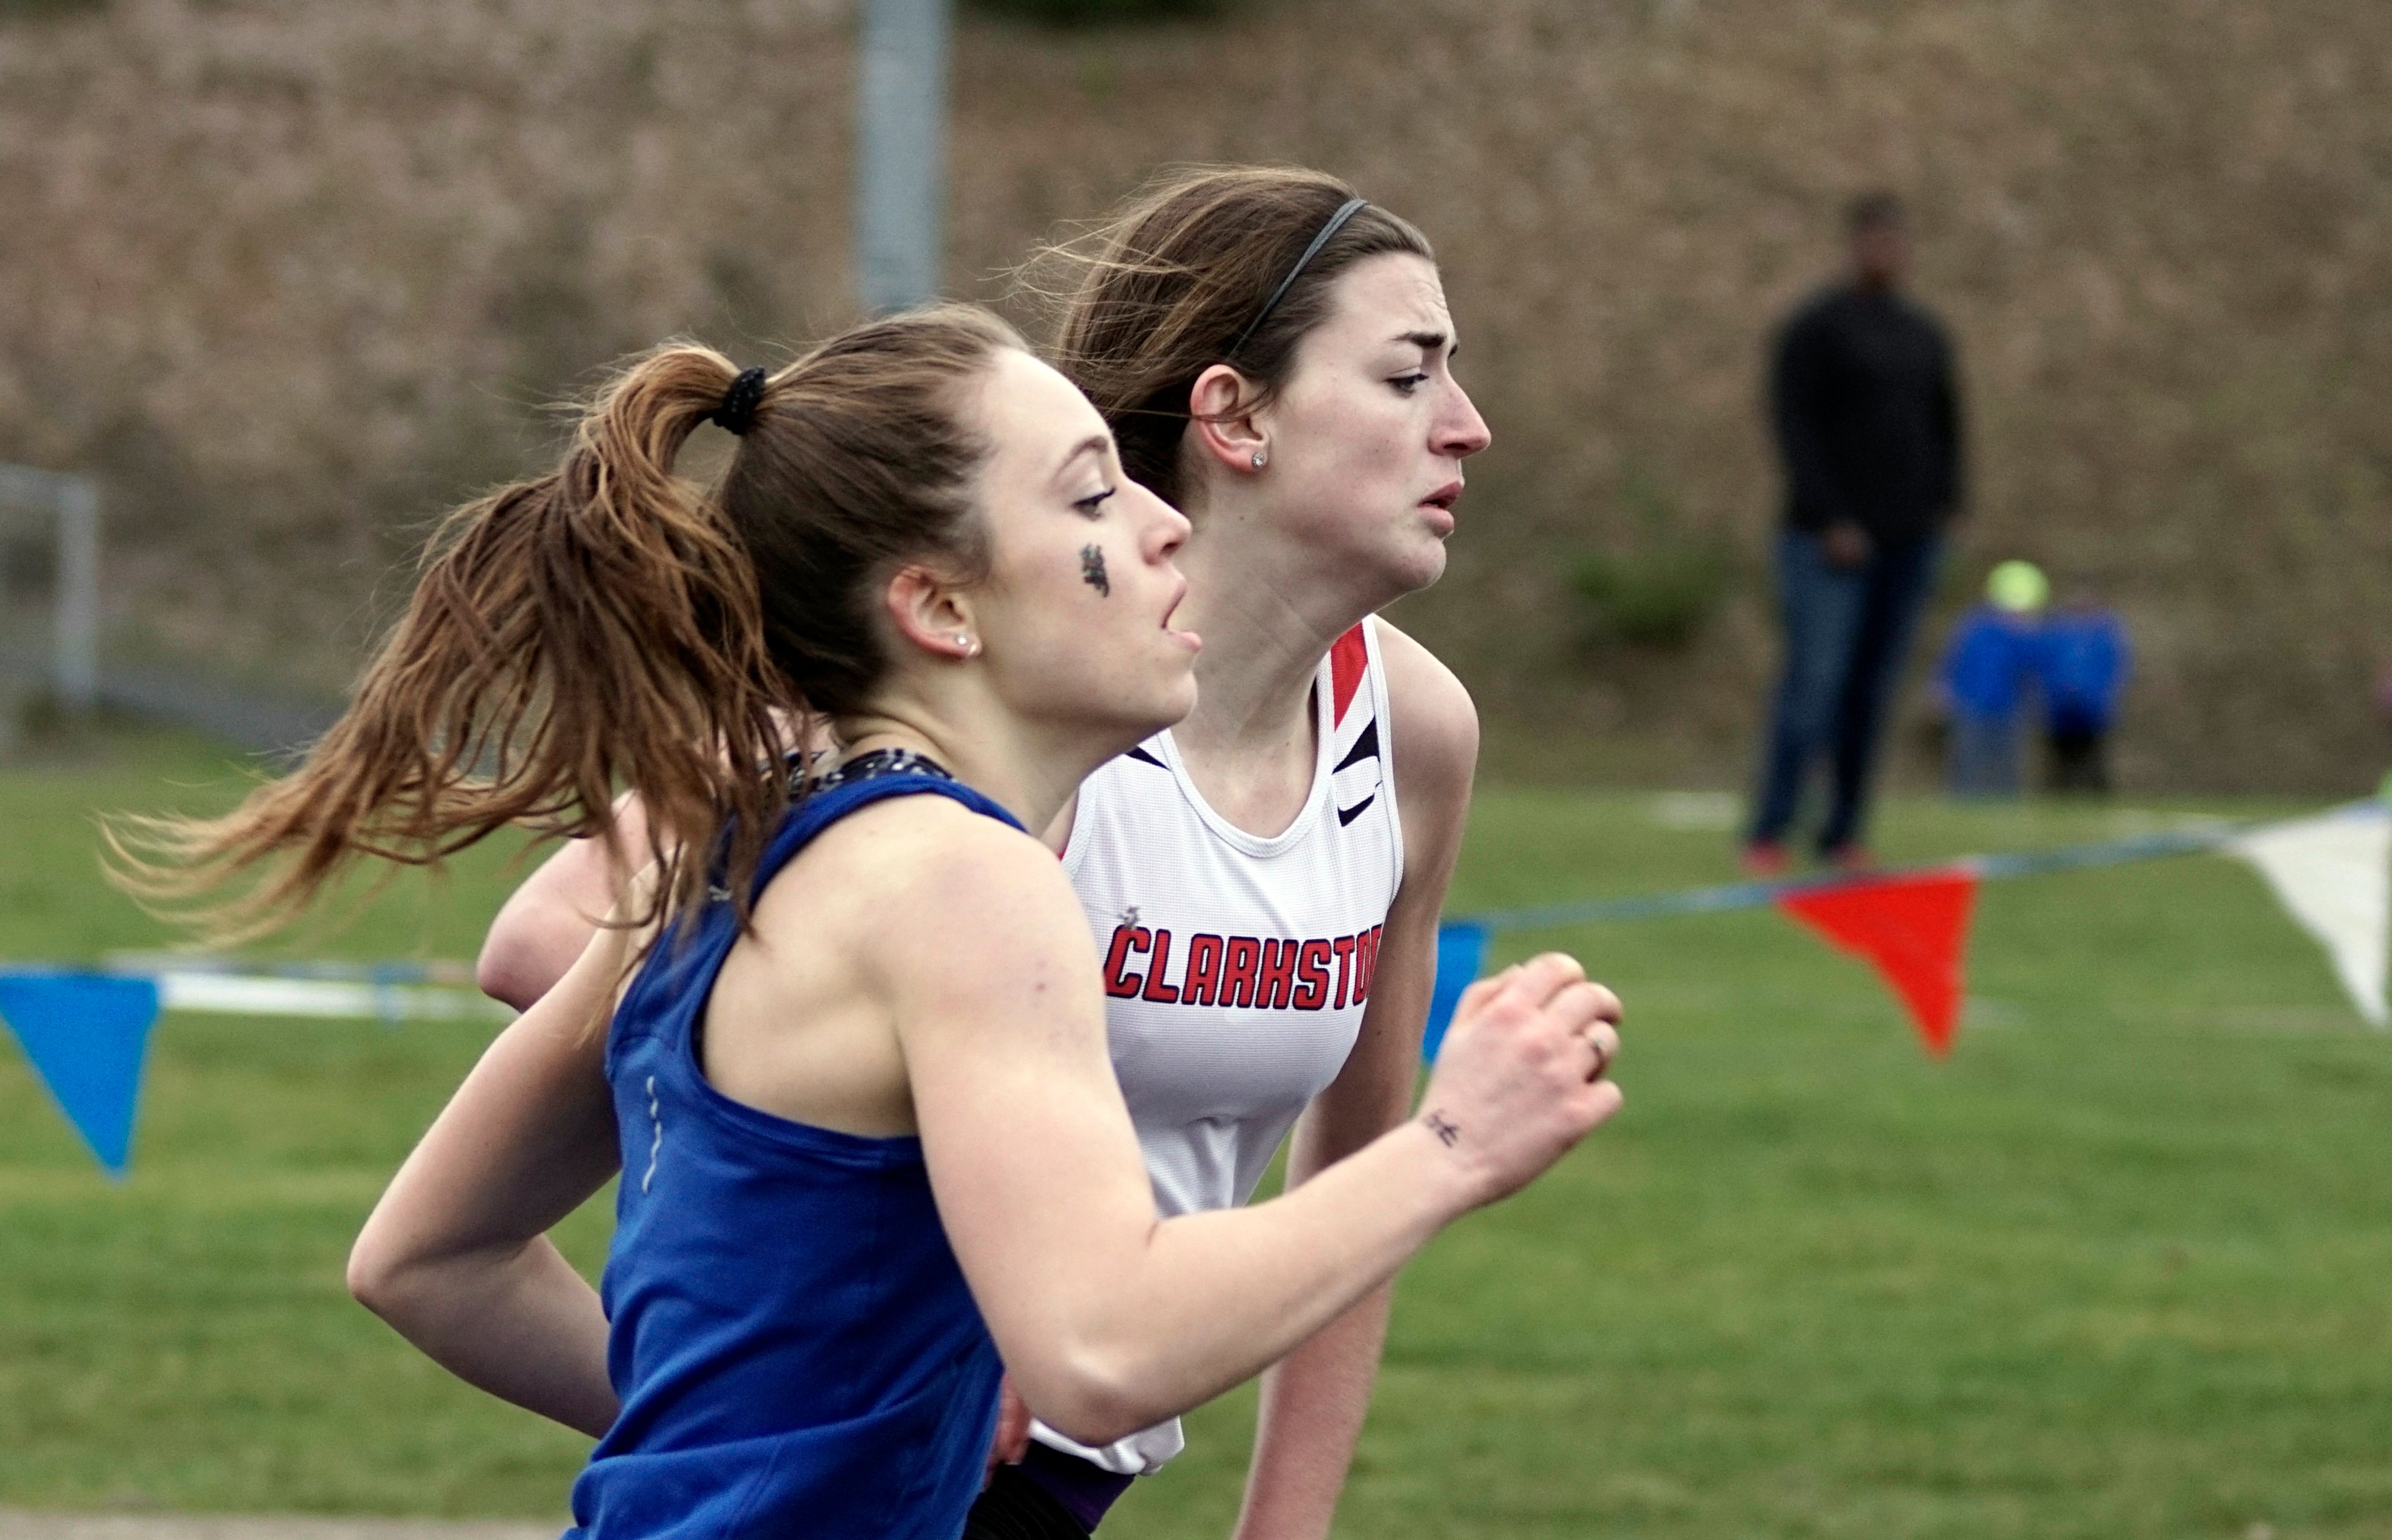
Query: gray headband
[1345,211]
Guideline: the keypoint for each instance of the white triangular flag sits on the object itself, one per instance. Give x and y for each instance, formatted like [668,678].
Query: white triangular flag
[2333,872]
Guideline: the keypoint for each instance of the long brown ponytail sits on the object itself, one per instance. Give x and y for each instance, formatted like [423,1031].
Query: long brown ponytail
[614,627]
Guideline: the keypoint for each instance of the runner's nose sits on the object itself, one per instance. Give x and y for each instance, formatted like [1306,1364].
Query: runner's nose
[1167,528]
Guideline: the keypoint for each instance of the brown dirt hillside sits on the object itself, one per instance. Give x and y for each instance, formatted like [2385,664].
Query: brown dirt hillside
[293,276]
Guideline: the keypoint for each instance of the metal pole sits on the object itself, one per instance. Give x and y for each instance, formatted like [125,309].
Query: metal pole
[901,151]
[75,669]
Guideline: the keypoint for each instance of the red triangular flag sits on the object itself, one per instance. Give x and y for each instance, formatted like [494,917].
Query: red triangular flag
[1915,929]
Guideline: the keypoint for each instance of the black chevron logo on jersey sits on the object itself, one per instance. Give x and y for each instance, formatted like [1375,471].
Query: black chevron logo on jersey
[1365,747]
[1140,753]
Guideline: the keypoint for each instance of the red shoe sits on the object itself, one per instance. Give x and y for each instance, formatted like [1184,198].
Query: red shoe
[1764,858]
[1852,861]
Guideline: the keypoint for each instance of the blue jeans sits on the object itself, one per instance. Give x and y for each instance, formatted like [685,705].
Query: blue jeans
[1848,634]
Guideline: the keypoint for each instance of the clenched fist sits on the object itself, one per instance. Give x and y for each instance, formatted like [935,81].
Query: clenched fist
[1525,1071]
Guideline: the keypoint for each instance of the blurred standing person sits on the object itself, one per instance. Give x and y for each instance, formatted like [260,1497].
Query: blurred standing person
[1866,411]
[1989,661]
[2081,663]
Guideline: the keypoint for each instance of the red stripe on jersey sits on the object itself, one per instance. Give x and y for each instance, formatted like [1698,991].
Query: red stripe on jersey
[1348,659]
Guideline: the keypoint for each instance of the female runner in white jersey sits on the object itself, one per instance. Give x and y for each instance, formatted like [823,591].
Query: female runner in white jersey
[1264,880]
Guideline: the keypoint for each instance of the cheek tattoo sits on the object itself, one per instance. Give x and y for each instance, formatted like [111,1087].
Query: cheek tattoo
[1092,571]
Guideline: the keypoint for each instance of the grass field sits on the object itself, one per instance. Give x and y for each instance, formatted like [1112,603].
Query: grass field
[2117,1268]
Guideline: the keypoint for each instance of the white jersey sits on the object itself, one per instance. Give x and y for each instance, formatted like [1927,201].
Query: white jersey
[1236,967]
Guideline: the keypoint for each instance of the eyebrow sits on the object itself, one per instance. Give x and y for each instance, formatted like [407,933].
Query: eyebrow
[1430,340]
[1097,442]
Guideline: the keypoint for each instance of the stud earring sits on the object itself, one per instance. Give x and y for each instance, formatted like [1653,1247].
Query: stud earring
[1261,460]
[971,647]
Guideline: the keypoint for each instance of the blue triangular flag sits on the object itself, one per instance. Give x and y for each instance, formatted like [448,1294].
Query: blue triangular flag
[1461,951]
[86,1035]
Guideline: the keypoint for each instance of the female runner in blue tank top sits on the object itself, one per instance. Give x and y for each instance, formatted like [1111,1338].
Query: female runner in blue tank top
[854,1077]
[1275,357]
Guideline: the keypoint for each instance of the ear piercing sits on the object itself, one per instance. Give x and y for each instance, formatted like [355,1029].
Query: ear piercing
[1261,458]
[969,646]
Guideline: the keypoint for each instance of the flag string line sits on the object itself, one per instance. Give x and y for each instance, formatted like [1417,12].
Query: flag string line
[85,1031]
[227,990]
[187,975]
[1757,895]
[143,964]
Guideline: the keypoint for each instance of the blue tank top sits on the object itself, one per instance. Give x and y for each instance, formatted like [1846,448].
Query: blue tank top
[794,1346]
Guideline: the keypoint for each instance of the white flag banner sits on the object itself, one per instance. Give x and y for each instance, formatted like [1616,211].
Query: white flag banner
[2333,874]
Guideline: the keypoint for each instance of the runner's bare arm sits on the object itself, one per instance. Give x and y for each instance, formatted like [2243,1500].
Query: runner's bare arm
[545,925]
[1315,1400]
[1109,1318]
[456,1255]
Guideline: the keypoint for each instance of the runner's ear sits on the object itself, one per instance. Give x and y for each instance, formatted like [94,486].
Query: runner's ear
[930,612]
[1223,412]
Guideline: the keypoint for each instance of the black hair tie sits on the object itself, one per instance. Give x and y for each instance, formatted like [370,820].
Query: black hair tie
[737,413]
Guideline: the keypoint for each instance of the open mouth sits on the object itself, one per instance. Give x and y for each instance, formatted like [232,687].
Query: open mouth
[1189,638]
[1444,496]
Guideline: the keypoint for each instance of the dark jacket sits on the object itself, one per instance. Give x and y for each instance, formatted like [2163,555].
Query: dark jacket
[1867,415]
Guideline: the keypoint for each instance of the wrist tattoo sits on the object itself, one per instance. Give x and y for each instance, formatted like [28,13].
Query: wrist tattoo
[1092,571]
[1446,1133]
